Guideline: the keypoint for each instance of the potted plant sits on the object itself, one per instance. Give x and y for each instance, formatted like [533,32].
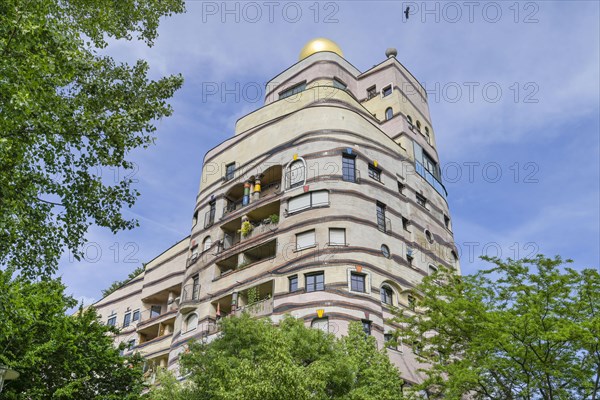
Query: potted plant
[246,228]
[274,218]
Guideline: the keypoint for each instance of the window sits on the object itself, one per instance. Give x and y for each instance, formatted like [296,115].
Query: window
[409,120]
[405,223]
[374,172]
[209,217]
[419,126]
[386,91]
[432,270]
[337,237]
[308,200]
[427,137]
[131,344]
[126,320]
[381,219]
[349,167]
[339,84]
[305,240]
[293,90]
[135,316]
[366,325]
[388,338]
[421,200]
[386,295]
[385,251]
[321,324]
[447,221]
[112,321]
[401,187]
[428,236]
[207,243]
[191,322]
[412,302]
[195,287]
[454,256]
[410,255]
[357,282]
[371,92]
[154,311]
[389,114]
[293,283]
[296,174]
[315,282]
[195,219]
[229,171]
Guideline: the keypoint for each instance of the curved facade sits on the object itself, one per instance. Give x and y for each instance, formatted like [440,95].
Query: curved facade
[326,204]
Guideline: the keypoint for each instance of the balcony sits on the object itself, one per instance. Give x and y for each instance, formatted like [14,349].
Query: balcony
[432,180]
[190,297]
[265,251]
[262,220]
[260,308]
[245,193]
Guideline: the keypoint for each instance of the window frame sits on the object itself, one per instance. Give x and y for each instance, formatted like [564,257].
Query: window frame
[385,249]
[383,294]
[421,200]
[391,115]
[112,320]
[313,244]
[135,315]
[359,275]
[315,284]
[337,244]
[292,90]
[311,204]
[340,84]
[387,90]
[153,309]
[367,326]
[300,170]
[230,174]
[371,92]
[375,172]
[291,280]
[127,319]
[346,160]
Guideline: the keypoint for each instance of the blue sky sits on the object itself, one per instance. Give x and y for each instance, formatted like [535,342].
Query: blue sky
[513,89]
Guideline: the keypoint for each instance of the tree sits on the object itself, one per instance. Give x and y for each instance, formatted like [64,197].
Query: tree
[59,356]
[67,112]
[525,329]
[254,359]
[117,284]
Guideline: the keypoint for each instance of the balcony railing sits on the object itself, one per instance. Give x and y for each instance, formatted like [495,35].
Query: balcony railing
[384,224]
[258,309]
[238,204]
[351,177]
[432,180]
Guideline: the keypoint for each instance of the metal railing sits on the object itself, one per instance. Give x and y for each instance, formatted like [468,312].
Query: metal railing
[354,178]
[384,224]
[209,218]
[432,180]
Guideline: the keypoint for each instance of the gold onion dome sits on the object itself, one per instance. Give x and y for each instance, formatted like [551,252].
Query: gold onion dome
[320,44]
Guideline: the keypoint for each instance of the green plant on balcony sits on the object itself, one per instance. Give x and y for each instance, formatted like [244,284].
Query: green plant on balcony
[274,218]
[246,228]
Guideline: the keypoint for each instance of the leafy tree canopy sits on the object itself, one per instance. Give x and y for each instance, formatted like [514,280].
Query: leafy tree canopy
[526,329]
[59,356]
[254,359]
[66,113]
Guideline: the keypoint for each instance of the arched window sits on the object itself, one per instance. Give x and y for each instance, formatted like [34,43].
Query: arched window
[385,251]
[409,119]
[387,294]
[432,269]
[296,174]
[320,323]
[419,126]
[191,322]
[207,243]
[389,113]
[428,236]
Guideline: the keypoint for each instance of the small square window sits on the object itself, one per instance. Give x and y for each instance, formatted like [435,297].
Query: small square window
[305,240]
[371,92]
[155,311]
[136,316]
[112,321]
[357,282]
[315,282]
[386,91]
[337,237]
[293,283]
[421,200]
[374,173]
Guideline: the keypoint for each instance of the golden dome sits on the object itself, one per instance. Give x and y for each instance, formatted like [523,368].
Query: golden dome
[317,45]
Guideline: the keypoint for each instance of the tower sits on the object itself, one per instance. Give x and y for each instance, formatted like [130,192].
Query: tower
[326,204]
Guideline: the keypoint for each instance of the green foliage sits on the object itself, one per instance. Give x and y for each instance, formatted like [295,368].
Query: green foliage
[274,218]
[68,113]
[254,359]
[525,329]
[117,284]
[59,356]
[246,228]
[253,295]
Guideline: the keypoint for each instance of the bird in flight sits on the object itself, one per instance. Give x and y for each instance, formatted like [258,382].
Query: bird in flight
[406,11]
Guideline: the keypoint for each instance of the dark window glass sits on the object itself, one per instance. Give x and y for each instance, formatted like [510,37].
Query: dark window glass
[366,327]
[229,171]
[136,316]
[389,114]
[385,251]
[293,283]
[371,92]
[209,217]
[357,282]
[131,344]
[405,223]
[112,321]
[154,311]
[447,221]
[126,320]
[412,302]
[387,91]
[421,200]
[381,216]
[292,91]
[195,287]
[374,172]
[386,295]
[401,187]
[348,168]
[315,282]
[339,84]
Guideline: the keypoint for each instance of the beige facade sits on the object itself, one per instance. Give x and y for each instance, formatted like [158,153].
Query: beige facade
[326,204]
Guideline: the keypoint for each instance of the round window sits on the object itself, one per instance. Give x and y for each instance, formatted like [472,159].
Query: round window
[429,236]
[385,251]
